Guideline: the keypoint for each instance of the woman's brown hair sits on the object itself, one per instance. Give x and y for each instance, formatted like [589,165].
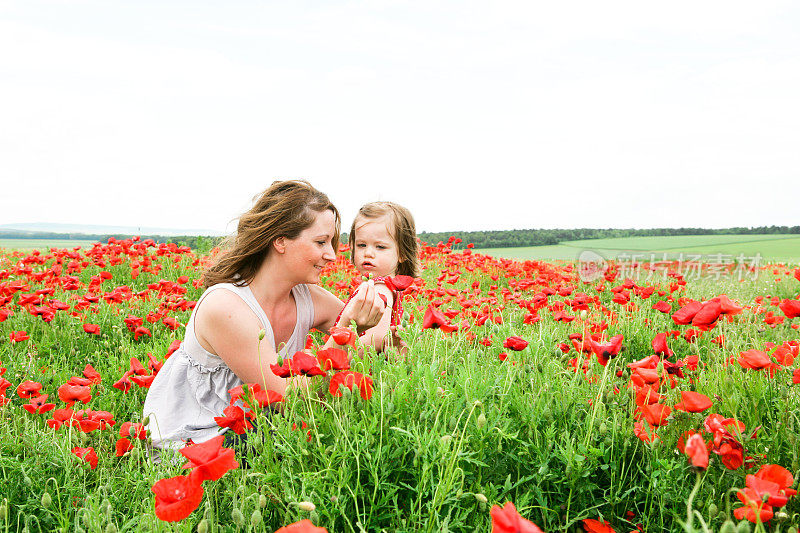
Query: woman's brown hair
[405,233]
[283,210]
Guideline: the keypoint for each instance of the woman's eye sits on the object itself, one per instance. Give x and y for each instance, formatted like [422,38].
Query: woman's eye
[321,243]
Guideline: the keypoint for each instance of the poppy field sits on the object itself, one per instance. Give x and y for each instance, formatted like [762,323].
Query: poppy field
[525,400]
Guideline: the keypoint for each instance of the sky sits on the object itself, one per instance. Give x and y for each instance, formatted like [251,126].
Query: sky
[474,115]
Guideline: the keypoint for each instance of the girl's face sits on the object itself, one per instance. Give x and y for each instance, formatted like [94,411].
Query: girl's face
[310,251]
[375,250]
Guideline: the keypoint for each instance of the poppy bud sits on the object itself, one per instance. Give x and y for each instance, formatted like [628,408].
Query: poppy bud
[262,501]
[603,429]
[27,481]
[255,518]
[47,501]
[743,527]
[146,420]
[279,362]
[111,528]
[477,403]
[481,497]
[481,421]
[314,516]
[445,439]
[202,527]
[261,334]
[713,510]
[237,517]
[306,506]
[3,510]
[781,516]
[792,529]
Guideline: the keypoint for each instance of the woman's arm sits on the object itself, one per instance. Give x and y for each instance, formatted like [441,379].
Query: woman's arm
[376,335]
[226,326]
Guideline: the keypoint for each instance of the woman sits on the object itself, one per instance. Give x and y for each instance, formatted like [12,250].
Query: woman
[266,280]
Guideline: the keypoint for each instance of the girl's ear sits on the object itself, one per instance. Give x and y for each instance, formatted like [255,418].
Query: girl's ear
[279,244]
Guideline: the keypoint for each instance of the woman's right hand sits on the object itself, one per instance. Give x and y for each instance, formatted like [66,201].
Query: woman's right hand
[365,308]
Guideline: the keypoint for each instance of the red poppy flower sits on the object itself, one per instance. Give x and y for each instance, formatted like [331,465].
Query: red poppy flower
[597,526]
[87,454]
[790,308]
[644,434]
[92,329]
[28,389]
[731,454]
[235,418]
[140,331]
[174,345]
[333,359]
[133,429]
[70,394]
[18,336]
[660,345]
[693,402]
[177,497]
[300,363]
[39,405]
[209,459]
[506,519]
[434,318]
[662,306]
[779,475]
[754,359]
[685,314]
[400,282]
[767,491]
[122,446]
[515,343]
[707,316]
[796,376]
[91,374]
[60,417]
[753,508]
[607,350]
[697,451]
[351,379]
[656,414]
[303,526]
[343,336]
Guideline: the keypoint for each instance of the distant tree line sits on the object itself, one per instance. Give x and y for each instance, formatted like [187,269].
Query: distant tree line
[481,239]
[542,237]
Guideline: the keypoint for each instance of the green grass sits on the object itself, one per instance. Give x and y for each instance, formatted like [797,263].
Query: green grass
[43,244]
[784,248]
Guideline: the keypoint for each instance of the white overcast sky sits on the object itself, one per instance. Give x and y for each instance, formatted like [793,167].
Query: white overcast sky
[475,115]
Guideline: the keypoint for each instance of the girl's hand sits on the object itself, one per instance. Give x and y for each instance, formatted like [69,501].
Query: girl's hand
[366,308]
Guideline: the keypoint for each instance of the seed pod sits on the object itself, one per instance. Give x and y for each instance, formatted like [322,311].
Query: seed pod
[262,501]
[255,518]
[481,497]
[237,517]
[202,527]
[47,501]
[481,421]
[306,506]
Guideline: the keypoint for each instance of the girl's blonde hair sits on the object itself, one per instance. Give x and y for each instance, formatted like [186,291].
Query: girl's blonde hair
[405,233]
[283,210]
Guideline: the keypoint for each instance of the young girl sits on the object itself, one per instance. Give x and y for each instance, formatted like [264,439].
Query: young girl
[383,246]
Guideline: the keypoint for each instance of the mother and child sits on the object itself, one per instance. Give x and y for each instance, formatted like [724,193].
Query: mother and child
[267,279]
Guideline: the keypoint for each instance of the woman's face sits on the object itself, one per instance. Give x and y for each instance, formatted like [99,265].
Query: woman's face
[309,252]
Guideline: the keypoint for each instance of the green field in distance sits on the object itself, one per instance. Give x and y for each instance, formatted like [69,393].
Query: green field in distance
[771,248]
[43,244]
